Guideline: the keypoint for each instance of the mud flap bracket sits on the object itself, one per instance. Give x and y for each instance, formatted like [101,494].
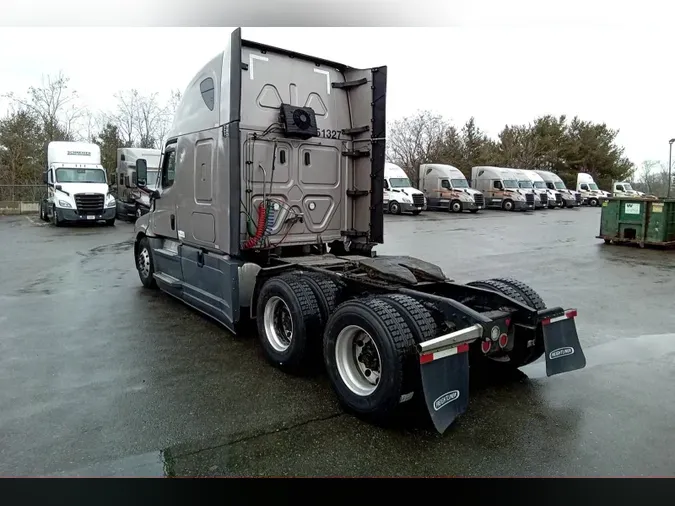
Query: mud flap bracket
[444,368]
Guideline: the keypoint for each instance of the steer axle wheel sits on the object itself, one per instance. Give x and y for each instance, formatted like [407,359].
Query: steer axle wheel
[145,265]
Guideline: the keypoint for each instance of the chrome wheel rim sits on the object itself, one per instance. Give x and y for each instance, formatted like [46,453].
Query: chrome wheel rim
[144,262]
[358,360]
[278,324]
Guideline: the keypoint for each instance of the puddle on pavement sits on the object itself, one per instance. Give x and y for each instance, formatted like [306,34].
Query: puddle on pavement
[624,350]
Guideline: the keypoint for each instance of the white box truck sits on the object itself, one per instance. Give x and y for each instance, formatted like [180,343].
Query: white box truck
[77,185]
[499,186]
[570,198]
[591,194]
[445,187]
[399,193]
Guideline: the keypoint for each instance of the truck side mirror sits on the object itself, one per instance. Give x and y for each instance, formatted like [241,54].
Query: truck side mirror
[45,177]
[141,172]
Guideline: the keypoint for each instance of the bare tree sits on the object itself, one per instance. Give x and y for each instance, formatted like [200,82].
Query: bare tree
[416,139]
[126,115]
[55,105]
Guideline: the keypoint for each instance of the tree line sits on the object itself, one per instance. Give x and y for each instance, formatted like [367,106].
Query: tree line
[53,112]
[555,143]
[566,146]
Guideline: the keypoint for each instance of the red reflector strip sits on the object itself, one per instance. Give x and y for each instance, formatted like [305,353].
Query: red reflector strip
[570,313]
[430,357]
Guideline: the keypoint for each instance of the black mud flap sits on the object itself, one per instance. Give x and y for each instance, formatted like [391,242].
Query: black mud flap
[445,380]
[561,344]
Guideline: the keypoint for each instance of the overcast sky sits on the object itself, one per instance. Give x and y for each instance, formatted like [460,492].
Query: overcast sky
[615,74]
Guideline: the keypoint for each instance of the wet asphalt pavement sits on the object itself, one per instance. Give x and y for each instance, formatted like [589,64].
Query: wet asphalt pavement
[100,377]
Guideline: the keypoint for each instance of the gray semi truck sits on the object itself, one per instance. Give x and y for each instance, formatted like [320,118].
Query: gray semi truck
[268,209]
[134,201]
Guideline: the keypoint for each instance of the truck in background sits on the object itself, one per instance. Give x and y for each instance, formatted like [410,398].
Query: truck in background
[500,189]
[305,165]
[624,189]
[527,187]
[134,201]
[446,188]
[550,199]
[570,198]
[77,185]
[591,194]
[399,193]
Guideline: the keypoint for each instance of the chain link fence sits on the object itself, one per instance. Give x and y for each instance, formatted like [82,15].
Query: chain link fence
[22,192]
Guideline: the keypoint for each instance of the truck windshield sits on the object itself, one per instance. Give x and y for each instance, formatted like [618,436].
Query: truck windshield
[459,183]
[540,185]
[80,176]
[593,186]
[510,183]
[525,184]
[399,182]
[627,187]
[560,185]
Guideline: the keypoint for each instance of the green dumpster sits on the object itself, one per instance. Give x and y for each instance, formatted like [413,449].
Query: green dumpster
[638,220]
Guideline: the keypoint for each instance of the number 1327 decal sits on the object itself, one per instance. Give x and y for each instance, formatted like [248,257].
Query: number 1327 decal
[329,134]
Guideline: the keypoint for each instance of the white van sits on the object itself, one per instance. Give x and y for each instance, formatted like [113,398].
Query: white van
[570,198]
[77,185]
[445,187]
[590,193]
[549,198]
[399,193]
[500,188]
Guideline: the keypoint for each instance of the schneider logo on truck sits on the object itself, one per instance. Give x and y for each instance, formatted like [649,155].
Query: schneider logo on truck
[243,237]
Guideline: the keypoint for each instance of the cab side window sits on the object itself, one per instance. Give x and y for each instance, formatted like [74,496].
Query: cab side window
[386,184]
[169,168]
[497,185]
[584,187]
[445,184]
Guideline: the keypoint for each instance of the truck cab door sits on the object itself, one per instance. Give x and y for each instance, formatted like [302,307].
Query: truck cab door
[164,214]
[385,197]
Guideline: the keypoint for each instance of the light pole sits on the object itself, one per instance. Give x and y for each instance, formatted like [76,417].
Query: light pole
[670,164]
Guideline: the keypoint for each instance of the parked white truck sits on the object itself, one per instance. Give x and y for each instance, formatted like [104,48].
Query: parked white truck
[386,329]
[500,188]
[591,194]
[526,186]
[570,198]
[134,201]
[446,188]
[77,185]
[549,198]
[399,193]
[624,189]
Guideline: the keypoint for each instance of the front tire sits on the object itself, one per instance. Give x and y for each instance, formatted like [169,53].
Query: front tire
[369,353]
[394,207]
[415,213]
[289,322]
[473,211]
[110,223]
[145,264]
[507,205]
[456,206]
[55,218]
[593,202]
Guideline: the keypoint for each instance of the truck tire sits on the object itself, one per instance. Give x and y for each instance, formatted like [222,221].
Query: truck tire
[145,264]
[415,213]
[521,354]
[327,291]
[370,357]
[532,298]
[593,202]
[43,211]
[417,317]
[110,223]
[507,205]
[456,206]
[394,207]
[289,321]
[55,218]
[473,211]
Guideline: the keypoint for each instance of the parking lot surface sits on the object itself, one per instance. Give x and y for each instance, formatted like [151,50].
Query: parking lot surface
[101,377]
